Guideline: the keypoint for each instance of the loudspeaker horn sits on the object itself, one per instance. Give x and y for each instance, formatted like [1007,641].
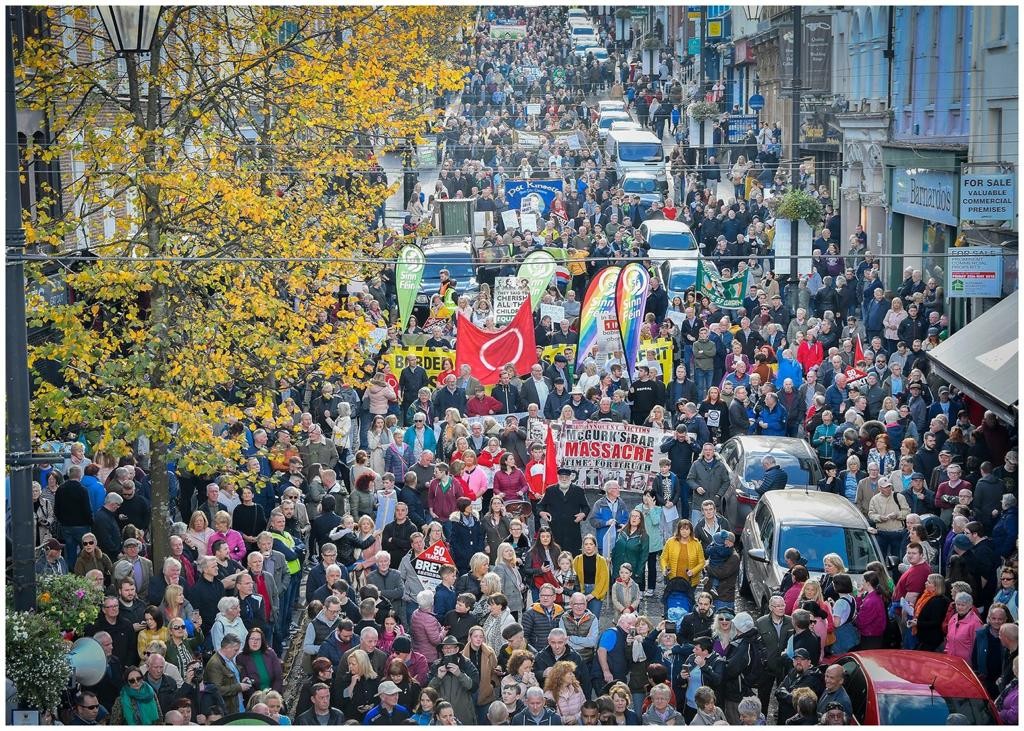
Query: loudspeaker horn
[88,661]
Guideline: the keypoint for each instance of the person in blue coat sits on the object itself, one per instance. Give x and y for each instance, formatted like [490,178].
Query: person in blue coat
[92,484]
[789,368]
[771,421]
[874,313]
[775,478]
[465,534]
[609,507]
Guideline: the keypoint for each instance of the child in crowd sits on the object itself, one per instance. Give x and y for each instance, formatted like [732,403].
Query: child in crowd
[718,553]
[566,578]
[625,591]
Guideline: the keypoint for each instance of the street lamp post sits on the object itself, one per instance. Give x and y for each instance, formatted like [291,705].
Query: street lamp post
[794,132]
[19,434]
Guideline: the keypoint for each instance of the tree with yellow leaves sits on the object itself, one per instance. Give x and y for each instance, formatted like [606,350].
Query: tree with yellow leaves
[237,164]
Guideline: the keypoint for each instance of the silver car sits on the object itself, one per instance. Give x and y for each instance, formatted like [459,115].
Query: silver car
[814,523]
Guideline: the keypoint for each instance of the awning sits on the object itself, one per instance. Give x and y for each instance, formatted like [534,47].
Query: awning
[981,359]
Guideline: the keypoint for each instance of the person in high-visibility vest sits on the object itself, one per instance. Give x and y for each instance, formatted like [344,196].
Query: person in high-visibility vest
[294,553]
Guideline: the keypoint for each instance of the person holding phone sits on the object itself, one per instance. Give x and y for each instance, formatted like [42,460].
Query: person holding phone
[456,680]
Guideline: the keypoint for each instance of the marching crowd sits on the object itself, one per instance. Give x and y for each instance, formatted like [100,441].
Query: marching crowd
[548,613]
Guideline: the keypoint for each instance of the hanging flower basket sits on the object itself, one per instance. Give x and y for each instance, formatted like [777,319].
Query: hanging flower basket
[70,602]
[702,111]
[797,205]
[37,660]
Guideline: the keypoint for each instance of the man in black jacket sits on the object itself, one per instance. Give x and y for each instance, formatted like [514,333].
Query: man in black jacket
[72,509]
[412,379]
[321,713]
[120,631]
[564,507]
[646,392]
[557,650]
[397,536]
[680,449]
[105,524]
[803,675]
[507,394]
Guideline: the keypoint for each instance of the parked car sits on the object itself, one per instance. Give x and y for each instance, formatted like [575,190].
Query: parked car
[669,240]
[611,105]
[814,523]
[584,48]
[604,122]
[644,185]
[901,688]
[742,457]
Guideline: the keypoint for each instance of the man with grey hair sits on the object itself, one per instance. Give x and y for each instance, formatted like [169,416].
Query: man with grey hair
[775,478]
[105,523]
[389,582]
[536,712]
[73,511]
[661,712]
[608,515]
[222,672]
[367,643]
[228,621]
[170,575]
[558,649]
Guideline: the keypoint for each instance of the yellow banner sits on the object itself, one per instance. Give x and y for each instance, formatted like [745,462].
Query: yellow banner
[432,359]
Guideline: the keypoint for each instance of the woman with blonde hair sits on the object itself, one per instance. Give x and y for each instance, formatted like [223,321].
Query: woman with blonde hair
[360,695]
[833,565]
[621,697]
[506,567]
[563,687]
[485,660]
[378,438]
[812,599]
[199,531]
[222,531]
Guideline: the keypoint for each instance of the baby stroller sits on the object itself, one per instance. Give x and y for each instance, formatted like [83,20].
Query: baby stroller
[678,599]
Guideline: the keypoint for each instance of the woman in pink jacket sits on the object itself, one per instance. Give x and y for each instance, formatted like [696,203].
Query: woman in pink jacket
[379,395]
[222,531]
[963,625]
[427,632]
[509,481]
[871,613]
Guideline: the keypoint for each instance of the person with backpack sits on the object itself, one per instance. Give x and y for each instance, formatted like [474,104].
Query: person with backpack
[844,616]
[746,666]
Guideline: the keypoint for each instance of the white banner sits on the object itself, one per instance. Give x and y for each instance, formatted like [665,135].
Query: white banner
[509,294]
[555,312]
[600,451]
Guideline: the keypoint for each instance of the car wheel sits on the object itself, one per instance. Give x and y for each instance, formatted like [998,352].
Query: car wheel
[742,580]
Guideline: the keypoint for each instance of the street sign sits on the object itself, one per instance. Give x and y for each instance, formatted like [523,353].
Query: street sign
[693,46]
[987,197]
[756,102]
[714,29]
[739,125]
[693,15]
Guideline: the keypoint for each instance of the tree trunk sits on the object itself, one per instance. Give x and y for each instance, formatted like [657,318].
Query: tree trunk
[160,492]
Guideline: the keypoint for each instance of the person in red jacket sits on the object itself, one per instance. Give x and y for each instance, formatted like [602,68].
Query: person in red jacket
[910,586]
[810,352]
[443,493]
[534,472]
[482,405]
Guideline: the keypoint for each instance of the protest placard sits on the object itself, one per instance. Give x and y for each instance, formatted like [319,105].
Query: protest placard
[510,219]
[428,564]
[600,451]
[533,110]
[509,293]
[432,360]
[555,312]
[529,221]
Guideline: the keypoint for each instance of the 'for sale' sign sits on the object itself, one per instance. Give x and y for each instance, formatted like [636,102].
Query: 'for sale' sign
[428,564]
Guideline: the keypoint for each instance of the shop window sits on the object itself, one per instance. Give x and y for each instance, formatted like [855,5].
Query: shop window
[935,243]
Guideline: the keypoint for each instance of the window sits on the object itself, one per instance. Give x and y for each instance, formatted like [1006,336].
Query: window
[856,688]
[924,710]
[799,470]
[765,526]
[641,151]
[853,545]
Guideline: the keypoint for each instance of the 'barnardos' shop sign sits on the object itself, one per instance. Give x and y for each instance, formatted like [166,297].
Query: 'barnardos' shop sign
[931,195]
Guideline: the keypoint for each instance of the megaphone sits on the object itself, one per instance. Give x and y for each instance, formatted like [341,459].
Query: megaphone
[88,661]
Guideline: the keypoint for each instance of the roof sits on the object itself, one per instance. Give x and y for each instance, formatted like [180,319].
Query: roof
[811,507]
[629,135]
[982,359]
[665,226]
[639,174]
[913,673]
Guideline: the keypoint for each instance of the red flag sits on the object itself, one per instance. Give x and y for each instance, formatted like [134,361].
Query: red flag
[550,459]
[487,352]
[854,373]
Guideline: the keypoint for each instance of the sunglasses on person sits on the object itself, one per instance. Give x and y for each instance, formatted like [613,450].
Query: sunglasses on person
[88,543]
[135,679]
[90,707]
[177,626]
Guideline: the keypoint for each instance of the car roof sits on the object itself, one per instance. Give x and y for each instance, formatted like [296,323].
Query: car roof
[616,114]
[446,248]
[916,673]
[810,507]
[659,226]
[630,135]
[639,174]
[611,104]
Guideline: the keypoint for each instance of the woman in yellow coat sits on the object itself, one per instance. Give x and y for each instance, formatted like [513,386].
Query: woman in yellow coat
[592,574]
[683,557]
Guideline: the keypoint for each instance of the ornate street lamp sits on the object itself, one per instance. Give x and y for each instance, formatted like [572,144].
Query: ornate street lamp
[131,27]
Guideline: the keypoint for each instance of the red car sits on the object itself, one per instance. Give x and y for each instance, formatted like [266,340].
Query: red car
[907,687]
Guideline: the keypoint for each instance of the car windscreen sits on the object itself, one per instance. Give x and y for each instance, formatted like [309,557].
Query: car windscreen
[672,241]
[681,280]
[639,185]
[460,268]
[641,151]
[799,470]
[927,710]
[814,542]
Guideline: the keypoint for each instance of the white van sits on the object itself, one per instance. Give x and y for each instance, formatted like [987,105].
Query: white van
[611,105]
[629,150]
[605,121]
[671,240]
[579,32]
[577,13]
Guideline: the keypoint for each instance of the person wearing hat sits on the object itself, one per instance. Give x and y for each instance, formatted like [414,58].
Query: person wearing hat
[564,507]
[582,409]
[52,562]
[559,369]
[887,512]
[558,397]
[803,675]
[387,712]
[480,404]
[401,649]
[456,680]
[919,497]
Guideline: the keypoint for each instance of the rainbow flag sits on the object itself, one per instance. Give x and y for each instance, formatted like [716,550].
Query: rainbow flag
[631,290]
[597,314]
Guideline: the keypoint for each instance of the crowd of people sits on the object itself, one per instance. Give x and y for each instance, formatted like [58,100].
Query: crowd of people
[550,611]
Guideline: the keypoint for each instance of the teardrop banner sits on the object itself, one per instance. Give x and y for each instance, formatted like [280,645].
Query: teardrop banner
[630,300]
[597,314]
[408,276]
[538,268]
